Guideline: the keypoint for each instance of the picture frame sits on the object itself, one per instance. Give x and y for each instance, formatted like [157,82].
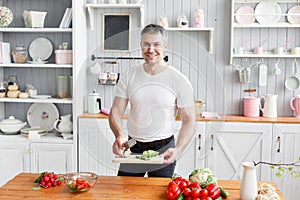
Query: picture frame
[116,32]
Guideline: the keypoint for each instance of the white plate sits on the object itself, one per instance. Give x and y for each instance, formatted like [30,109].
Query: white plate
[41,96]
[293,19]
[245,15]
[42,115]
[6,16]
[41,48]
[267,12]
[35,62]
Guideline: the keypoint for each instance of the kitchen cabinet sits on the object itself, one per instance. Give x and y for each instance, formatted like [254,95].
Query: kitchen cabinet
[231,143]
[18,154]
[95,147]
[193,156]
[256,34]
[286,149]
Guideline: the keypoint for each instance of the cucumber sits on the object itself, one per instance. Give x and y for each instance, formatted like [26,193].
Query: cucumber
[224,193]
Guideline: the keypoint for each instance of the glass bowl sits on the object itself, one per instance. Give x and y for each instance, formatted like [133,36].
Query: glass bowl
[80,181]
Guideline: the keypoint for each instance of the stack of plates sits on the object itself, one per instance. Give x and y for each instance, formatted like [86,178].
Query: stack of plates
[25,131]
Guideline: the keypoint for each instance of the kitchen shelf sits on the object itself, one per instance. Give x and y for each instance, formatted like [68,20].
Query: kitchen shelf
[36,30]
[28,65]
[246,29]
[210,31]
[31,100]
[92,7]
[265,55]
[257,25]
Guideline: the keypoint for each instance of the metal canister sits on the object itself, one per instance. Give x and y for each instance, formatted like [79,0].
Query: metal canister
[245,75]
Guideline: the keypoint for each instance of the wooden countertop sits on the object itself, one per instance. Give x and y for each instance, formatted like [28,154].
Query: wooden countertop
[223,118]
[107,187]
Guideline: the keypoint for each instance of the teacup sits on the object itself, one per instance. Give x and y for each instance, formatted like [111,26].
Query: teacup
[295,50]
[279,50]
[103,77]
[113,77]
[258,50]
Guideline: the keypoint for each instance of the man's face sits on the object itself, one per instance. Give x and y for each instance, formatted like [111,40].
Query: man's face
[153,47]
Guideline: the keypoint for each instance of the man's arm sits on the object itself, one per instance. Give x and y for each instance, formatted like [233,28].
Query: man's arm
[115,123]
[186,134]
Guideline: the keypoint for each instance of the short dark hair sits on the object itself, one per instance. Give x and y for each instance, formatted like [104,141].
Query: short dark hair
[155,28]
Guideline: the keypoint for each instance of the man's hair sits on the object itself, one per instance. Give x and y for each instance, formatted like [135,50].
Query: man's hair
[155,28]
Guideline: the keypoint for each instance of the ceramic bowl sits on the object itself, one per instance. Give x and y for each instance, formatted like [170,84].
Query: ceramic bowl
[80,181]
[11,125]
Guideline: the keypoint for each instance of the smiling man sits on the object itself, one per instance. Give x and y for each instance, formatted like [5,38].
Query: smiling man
[156,91]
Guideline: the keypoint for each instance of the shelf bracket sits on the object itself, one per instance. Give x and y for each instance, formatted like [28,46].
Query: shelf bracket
[210,39]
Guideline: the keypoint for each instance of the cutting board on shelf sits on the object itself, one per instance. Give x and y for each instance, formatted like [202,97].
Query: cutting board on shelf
[134,160]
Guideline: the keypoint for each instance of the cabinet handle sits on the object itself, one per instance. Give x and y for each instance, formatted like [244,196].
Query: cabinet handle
[199,139]
[212,142]
[278,141]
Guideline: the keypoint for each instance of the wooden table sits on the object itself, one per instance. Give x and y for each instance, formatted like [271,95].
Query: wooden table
[107,187]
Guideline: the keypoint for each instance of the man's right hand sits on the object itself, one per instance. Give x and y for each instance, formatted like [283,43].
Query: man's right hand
[118,146]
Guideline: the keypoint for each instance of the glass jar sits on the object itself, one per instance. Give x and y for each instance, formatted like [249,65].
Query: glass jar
[199,18]
[182,21]
[19,54]
[2,90]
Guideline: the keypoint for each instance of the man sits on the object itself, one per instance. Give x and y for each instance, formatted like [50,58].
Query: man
[155,91]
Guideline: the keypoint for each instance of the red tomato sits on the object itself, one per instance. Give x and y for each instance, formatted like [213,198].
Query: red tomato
[170,195]
[195,185]
[203,193]
[178,180]
[188,198]
[187,192]
[183,184]
[196,198]
[195,193]
[206,198]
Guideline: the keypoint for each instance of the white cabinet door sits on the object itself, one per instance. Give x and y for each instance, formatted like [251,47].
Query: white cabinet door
[95,147]
[51,157]
[287,150]
[14,159]
[193,155]
[229,144]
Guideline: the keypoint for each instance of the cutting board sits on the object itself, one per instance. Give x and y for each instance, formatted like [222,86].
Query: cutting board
[134,160]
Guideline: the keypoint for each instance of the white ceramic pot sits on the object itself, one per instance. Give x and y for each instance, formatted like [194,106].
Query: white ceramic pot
[11,125]
[64,125]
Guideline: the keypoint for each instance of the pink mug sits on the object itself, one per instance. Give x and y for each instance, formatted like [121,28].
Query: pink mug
[295,105]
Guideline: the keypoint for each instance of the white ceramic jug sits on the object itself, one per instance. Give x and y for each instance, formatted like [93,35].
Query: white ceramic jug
[64,124]
[270,105]
[94,103]
[248,188]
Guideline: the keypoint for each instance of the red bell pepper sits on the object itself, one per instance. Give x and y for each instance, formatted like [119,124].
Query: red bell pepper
[213,191]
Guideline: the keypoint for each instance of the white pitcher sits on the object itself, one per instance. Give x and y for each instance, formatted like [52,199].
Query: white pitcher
[270,105]
[248,188]
[64,125]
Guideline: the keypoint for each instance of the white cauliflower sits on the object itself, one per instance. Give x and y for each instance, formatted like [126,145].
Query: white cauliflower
[204,176]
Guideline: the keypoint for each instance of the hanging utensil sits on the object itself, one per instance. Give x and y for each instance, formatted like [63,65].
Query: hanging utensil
[277,70]
[293,82]
[263,75]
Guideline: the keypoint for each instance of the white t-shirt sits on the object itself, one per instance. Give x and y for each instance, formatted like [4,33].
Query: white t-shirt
[154,100]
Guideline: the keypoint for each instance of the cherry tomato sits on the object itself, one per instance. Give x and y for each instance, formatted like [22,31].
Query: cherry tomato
[195,193]
[188,198]
[203,193]
[183,184]
[196,198]
[178,180]
[187,192]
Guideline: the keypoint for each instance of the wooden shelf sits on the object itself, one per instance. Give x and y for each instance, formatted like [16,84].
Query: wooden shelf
[31,100]
[92,7]
[28,65]
[35,30]
[265,55]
